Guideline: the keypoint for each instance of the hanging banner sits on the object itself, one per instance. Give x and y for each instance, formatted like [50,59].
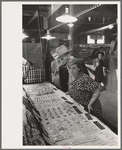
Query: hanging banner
[33,53]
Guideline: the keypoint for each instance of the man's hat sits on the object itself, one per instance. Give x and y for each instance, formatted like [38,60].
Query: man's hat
[55,56]
[62,50]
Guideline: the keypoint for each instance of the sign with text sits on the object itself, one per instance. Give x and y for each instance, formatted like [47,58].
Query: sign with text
[97,35]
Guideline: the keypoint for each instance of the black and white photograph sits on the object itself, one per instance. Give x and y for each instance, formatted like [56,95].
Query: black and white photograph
[61,81]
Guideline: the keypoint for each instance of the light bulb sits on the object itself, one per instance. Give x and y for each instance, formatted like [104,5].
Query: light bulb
[70,24]
[110,26]
[48,36]
[24,36]
[66,17]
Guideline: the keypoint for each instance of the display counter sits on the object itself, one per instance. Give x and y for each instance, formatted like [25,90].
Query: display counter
[65,121]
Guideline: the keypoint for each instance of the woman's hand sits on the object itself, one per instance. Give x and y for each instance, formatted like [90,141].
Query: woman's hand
[95,96]
[89,108]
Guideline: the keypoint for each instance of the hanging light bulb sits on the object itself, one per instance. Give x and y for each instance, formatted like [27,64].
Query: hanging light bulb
[48,36]
[66,17]
[110,26]
[24,36]
[70,24]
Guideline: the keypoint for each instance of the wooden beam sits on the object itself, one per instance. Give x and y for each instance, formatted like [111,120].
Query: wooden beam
[53,9]
[114,34]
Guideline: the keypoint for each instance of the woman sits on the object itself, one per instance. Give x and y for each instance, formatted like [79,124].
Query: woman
[83,89]
[99,66]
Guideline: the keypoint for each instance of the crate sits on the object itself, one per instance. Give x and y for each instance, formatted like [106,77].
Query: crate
[35,75]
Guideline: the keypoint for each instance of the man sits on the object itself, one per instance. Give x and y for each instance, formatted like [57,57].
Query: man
[55,71]
[63,55]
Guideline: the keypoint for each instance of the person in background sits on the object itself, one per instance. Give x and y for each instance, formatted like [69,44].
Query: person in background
[99,68]
[94,53]
[55,71]
[34,132]
[29,64]
[63,55]
[83,89]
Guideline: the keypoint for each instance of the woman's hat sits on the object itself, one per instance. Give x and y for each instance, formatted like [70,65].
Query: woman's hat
[62,50]
[80,64]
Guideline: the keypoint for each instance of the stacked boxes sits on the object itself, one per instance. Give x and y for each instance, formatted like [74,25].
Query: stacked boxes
[35,75]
